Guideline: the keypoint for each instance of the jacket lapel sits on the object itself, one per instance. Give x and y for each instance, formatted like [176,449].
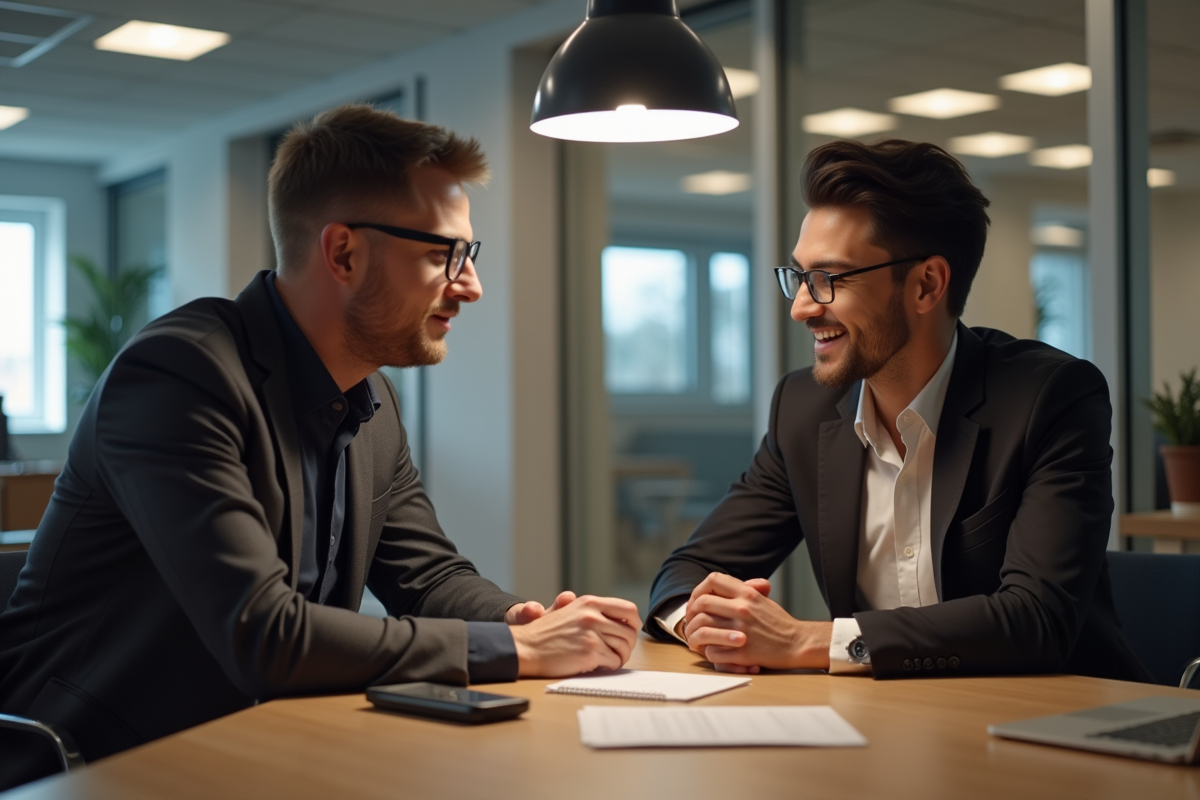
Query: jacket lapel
[839,505]
[357,527]
[956,438]
[266,346]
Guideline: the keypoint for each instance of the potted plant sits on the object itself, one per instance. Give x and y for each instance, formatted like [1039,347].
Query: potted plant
[95,340]
[1178,419]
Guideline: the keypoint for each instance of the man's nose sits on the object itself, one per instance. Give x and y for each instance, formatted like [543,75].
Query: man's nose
[804,307]
[466,288]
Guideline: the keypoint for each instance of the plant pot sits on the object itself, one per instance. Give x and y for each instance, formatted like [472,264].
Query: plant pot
[1182,465]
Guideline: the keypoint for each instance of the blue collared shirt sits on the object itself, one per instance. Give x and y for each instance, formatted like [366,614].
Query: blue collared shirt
[327,420]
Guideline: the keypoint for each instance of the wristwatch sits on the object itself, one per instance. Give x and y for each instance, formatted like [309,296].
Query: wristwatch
[857,651]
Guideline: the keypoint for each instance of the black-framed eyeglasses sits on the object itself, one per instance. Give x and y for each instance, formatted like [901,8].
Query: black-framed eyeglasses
[456,259]
[820,282]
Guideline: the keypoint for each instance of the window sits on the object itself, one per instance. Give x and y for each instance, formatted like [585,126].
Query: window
[32,305]
[677,324]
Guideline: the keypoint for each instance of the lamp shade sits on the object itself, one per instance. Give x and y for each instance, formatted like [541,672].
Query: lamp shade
[633,72]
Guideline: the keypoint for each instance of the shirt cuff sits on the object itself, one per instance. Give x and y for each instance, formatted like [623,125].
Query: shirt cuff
[845,631]
[670,619]
[491,653]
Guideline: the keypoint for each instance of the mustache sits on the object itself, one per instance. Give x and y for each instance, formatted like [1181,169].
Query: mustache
[444,310]
[822,322]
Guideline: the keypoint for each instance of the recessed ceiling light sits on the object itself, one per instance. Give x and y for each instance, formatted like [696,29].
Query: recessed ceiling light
[11,115]
[991,145]
[1156,177]
[742,82]
[718,181]
[848,122]
[1052,81]
[944,103]
[1067,156]
[1055,235]
[161,41]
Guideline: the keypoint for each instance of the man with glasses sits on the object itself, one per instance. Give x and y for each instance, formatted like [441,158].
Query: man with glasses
[953,485]
[240,472]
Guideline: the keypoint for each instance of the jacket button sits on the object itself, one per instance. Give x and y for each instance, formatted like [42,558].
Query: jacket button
[908,664]
[953,662]
[941,662]
[929,663]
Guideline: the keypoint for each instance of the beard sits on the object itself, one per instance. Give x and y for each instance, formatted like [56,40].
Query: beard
[376,334]
[870,351]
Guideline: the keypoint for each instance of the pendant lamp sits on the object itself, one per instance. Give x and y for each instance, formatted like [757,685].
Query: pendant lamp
[633,72]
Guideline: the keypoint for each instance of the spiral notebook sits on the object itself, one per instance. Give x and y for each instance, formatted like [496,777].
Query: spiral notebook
[634,684]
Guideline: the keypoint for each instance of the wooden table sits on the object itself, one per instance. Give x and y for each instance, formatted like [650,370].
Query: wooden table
[25,489]
[1168,531]
[927,737]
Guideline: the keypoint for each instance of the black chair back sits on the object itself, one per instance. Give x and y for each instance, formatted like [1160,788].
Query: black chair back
[1158,602]
[10,567]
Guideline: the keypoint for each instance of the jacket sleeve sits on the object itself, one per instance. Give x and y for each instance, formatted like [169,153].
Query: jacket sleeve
[1054,553]
[416,569]
[748,535]
[174,425]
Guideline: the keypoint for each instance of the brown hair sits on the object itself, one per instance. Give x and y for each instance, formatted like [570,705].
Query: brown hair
[921,199]
[350,160]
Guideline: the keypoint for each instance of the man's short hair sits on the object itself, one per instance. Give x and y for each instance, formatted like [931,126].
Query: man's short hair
[352,161]
[921,199]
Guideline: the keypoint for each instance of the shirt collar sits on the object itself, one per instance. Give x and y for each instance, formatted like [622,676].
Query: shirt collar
[312,386]
[927,405]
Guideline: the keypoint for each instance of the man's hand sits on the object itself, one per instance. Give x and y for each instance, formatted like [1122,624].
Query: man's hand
[579,635]
[523,613]
[736,626]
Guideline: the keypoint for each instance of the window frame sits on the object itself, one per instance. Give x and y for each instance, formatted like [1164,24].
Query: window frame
[48,216]
[698,400]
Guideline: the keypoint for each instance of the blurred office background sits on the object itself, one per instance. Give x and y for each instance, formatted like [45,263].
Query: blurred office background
[615,377]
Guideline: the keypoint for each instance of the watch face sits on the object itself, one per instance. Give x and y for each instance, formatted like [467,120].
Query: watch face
[858,649]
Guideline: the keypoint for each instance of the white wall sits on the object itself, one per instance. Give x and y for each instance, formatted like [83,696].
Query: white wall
[473,452]
[1174,285]
[86,236]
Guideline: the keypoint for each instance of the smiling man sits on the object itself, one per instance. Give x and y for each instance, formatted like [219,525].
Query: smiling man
[240,472]
[952,484]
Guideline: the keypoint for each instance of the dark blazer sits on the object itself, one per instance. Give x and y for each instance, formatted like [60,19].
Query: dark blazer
[1020,512]
[160,590]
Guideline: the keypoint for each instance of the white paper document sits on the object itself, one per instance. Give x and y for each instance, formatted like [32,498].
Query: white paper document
[638,684]
[715,726]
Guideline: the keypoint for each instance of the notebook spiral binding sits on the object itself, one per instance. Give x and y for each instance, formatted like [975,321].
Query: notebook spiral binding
[623,695]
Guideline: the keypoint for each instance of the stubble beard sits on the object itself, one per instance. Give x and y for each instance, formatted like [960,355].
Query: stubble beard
[874,348]
[377,336]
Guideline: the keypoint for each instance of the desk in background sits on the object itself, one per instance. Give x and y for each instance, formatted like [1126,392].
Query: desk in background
[25,490]
[928,740]
[1168,531]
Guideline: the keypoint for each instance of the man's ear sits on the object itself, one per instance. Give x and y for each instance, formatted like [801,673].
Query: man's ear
[932,278]
[340,251]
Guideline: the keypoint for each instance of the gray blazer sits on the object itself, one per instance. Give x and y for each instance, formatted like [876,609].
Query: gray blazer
[160,590]
[1020,511]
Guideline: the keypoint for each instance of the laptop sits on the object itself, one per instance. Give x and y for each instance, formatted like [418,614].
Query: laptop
[1155,728]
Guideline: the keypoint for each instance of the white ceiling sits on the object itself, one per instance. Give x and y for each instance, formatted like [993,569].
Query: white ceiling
[95,104]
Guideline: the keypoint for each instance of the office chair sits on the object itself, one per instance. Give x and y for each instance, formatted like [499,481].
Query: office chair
[68,754]
[1157,597]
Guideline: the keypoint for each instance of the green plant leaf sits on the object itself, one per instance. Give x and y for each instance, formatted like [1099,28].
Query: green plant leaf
[1178,419]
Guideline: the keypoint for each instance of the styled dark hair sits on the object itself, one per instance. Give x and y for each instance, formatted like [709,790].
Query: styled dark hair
[921,199]
[350,160]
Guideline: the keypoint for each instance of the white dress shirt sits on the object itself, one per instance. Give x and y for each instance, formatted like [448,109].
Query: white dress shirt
[895,556]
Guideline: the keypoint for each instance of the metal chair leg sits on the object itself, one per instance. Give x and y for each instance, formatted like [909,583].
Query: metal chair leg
[1189,672]
[64,745]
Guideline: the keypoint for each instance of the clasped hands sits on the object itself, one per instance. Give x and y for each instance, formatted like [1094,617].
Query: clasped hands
[737,627]
[574,635]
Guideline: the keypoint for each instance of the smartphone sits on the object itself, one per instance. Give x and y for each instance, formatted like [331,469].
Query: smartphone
[454,703]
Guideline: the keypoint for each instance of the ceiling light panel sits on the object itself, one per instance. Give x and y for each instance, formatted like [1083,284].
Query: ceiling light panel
[944,103]
[161,41]
[742,82]
[849,122]
[1052,81]
[991,145]
[1156,178]
[717,182]
[11,115]
[1055,235]
[1067,156]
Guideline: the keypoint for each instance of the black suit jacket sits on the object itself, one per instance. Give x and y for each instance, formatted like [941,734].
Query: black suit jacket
[160,590]
[1020,513]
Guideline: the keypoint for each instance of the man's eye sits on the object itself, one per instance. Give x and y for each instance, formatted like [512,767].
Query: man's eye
[439,256]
